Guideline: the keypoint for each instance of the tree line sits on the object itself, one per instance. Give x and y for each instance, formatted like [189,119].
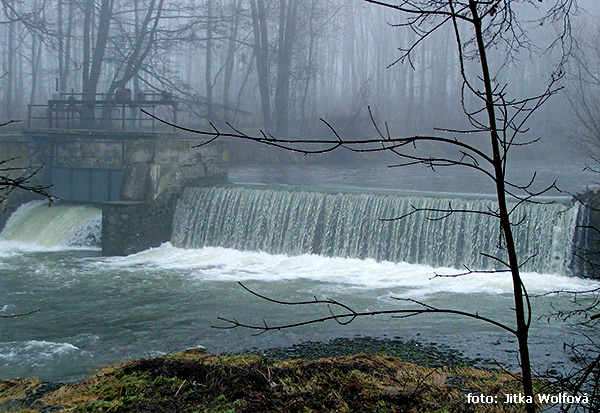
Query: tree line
[279,65]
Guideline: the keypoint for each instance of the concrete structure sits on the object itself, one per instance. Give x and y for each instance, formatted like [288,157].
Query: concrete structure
[586,237]
[137,176]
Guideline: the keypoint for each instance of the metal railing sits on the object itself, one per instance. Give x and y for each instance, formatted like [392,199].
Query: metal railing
[103,111]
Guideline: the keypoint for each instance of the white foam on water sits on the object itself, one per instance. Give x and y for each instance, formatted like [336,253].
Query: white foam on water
[222,264]
[341,224]
[34,350]
[35,226]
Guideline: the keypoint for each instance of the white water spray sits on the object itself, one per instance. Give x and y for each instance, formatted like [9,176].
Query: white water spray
[350,225]
[36,225]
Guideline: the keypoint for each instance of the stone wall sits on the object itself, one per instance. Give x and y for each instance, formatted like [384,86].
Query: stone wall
[129,226]
[151,163]
[152,170]
[586,237]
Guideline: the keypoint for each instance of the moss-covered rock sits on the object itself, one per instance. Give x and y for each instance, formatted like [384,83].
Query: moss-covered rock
[196,382]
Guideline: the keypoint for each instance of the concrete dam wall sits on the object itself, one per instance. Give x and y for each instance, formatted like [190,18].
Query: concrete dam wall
[135,176]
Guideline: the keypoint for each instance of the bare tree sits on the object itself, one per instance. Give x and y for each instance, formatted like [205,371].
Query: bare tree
[94,49]
[582,91]
[584,379]
[231,47]
[18,177]
[582,87]
[261,51]
[141,43]
[17,18]
[288,15]
[478,26]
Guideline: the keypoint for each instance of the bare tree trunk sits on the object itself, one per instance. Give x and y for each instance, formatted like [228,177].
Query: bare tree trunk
[261,47]
[208,70]
[348,58]
[136,78]
[310,62]
[90,86]
[10,66]
[36,52]
[230,59]
[19,85]
[287,31]
[61,48]
[87,113]
[142,45]
[68,48]
[522,331]
[87,33]
[242,88]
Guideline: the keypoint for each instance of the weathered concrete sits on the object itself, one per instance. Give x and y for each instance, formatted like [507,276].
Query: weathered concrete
[141,175]
[150,162]
[152,167]
[586,240]
[129,227]
[19,148]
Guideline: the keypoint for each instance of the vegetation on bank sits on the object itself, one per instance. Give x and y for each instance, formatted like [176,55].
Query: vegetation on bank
[192,381]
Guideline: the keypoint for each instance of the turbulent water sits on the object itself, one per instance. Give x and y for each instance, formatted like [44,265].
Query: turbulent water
[54,226]
[96,310]
[350,225]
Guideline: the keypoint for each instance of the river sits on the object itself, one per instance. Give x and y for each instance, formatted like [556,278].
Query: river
[96,310]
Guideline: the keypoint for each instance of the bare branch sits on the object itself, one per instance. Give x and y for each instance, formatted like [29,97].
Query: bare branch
[346,318]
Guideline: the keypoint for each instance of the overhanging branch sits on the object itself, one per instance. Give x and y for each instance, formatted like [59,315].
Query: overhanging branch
[348,316]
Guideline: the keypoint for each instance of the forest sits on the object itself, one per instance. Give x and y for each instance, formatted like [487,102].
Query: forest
[277,65]
[421,81]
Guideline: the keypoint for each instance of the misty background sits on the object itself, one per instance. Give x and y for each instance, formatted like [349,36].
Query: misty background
[281,65]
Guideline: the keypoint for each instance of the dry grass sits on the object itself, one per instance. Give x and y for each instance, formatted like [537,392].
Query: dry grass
[196,382]
[17,388]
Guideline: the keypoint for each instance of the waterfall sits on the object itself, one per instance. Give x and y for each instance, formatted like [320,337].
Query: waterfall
[60,225]
[295,221]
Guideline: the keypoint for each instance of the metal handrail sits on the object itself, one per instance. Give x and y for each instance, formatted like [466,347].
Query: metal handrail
[72,113]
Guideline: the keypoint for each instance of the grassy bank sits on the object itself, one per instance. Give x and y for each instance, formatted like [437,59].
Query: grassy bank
[193,381]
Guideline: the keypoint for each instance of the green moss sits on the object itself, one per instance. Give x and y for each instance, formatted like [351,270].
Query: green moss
[196,382]
[222,405]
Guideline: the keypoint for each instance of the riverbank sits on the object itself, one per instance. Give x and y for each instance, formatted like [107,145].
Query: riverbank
[408,351]
[365,375]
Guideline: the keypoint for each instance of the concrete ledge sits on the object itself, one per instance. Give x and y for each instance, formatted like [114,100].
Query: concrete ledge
[68,134]
[129,227]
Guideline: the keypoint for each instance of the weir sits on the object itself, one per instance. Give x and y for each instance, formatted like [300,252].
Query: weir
[328,223]
[62,225]
[297,221]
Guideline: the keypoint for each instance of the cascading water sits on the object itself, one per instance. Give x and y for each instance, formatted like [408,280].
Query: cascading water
[350,225]
[55,226]
[96,310]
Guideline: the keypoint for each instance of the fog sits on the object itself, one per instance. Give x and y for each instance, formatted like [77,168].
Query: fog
[282,65]
[458,87]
